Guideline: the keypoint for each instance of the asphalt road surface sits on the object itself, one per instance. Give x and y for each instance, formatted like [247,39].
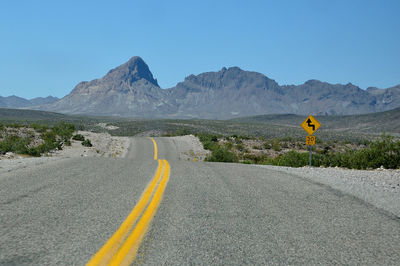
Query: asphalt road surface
[210,213]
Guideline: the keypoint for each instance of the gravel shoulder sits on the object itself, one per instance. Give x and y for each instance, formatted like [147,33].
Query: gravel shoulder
[189,148]
[104,145]
[380,187]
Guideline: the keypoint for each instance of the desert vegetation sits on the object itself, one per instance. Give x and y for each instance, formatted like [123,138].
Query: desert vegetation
[382,152]
[34,139]
[343,141]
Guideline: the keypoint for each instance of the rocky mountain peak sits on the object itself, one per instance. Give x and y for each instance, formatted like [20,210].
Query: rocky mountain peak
[133,70]
[313,82]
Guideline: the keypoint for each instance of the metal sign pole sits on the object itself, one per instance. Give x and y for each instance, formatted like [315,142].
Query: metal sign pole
[310,125]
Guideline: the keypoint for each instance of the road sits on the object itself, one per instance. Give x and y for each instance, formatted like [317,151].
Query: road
[209,213]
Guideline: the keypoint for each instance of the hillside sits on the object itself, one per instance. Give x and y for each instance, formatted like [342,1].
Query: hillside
[353,128]
[388,121]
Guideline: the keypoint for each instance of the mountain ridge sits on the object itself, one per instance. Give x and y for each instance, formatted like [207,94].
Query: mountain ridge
[19,102]
[130,90]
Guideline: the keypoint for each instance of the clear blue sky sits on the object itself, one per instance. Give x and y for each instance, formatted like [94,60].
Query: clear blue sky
[47,47]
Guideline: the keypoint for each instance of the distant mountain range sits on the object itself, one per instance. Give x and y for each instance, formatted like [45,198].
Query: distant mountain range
[18,102]
[130,90]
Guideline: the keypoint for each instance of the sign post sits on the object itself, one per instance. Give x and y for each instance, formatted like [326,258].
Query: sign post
[310,125]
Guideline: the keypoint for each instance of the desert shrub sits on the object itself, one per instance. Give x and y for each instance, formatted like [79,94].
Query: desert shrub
[284,145]
[49,136]
[276,145]
[34,151]
[257,159]
[382,152]
[39,128]
[14,125]
[87,143]
[14,144]
[64,130]
[288,139]
[240,147]
[222,155]
[228,145]
[179,132]
[209,141]
[52,139]
[292,159]
[78,137]
[267,145]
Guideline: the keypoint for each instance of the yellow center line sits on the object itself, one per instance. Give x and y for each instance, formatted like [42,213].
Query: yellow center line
[112,245]
[127,253]
[121,248]
[155,148]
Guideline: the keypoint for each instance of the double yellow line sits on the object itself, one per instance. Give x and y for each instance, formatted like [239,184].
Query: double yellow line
[122,247]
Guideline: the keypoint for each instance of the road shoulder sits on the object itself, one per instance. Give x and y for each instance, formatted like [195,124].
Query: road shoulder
[380,187]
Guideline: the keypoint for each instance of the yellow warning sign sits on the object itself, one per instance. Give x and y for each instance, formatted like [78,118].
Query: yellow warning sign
[310,125]
[310,140]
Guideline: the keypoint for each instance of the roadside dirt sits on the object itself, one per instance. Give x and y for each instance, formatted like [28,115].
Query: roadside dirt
[104,145]
[190,148]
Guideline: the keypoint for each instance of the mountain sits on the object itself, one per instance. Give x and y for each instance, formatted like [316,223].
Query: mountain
[229,92]
[234,92]
[13,102]
[130,90]
[18,102]
[42,100]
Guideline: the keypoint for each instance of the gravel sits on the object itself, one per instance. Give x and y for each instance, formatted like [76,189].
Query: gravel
[189,148]
[104,145]
[380,187]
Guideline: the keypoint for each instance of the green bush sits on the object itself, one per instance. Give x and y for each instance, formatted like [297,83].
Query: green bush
[87,143]
[39,128]
[14,125]
[222,155]
[383,152]
[64,130]
[52,139]
[179,132]
[267,145]
[14,144]
[257,159]
[78,137]
[210,142]
[228,145]
[292,159]
[276,145]
[240,147]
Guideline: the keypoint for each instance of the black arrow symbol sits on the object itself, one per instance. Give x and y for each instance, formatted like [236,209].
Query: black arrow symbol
[310,125]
